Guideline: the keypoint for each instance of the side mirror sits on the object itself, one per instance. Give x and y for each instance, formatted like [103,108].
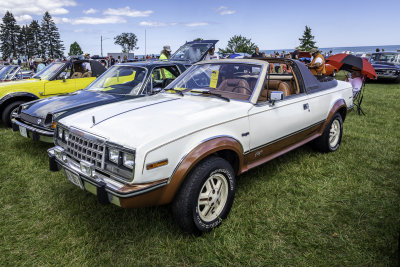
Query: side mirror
[276,96]
[156,90]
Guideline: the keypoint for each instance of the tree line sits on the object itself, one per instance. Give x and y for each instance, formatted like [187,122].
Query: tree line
[33,40]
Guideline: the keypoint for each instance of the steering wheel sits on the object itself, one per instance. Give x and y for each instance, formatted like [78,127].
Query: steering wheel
[246,88]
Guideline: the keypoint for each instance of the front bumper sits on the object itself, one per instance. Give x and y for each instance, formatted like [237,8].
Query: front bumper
[384,74]
[106,189]
[29,131]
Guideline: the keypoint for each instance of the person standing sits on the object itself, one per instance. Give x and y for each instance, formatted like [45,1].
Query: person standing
[40,65]
[112,61]
[165,53]
[211,54]
[256,53]
[317,65]
[295,54]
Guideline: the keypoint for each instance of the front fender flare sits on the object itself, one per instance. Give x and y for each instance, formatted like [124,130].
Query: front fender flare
[167,193]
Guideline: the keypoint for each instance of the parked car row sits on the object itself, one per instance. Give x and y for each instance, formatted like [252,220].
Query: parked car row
[176,132]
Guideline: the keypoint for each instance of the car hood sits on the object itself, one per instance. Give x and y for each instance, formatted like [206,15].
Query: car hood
[15,86]
[19,82]
[165,117]
[78,100]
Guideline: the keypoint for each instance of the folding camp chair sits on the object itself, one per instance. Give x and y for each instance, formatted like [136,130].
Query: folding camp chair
[358,98]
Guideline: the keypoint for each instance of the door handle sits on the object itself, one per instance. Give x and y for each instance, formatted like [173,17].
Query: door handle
[306,107]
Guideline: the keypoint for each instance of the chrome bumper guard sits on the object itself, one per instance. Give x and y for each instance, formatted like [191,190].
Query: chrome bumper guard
[106,189]
[35,133]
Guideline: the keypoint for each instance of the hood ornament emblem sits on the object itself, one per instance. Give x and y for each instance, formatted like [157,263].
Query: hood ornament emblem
[93,120]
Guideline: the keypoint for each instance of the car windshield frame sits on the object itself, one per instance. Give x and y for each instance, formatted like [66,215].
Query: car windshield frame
[393,57]
[136,90]
[8,72]
[184,49]
[48,72]
[182,79]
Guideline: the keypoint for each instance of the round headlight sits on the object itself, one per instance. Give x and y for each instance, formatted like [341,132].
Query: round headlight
[128,160]
[113,155]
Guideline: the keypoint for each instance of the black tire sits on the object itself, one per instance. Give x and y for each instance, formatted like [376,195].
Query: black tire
[6,115]
[398,79]
[191,215]
[324,143]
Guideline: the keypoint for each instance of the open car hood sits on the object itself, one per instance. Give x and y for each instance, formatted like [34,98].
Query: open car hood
[189,57]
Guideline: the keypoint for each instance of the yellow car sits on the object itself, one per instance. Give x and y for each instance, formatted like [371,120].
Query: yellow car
[57,78]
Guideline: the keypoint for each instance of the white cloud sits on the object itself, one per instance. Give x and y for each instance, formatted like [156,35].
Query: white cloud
[23,19]
[91,20]
[196,24]
[156,24]
[90,11]
[223,10]
[35,7]
[127,11]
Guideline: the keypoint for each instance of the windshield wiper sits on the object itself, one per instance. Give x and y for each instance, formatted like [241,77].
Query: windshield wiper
[208,92]
[179,92]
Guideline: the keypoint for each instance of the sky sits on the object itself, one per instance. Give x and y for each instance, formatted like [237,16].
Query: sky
[269,24]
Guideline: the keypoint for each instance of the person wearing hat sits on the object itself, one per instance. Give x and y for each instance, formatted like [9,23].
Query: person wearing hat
[317,65]
[86,65]
[165,53]
[295,54]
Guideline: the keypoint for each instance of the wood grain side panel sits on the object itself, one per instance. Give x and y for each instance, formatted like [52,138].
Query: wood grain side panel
[270,151]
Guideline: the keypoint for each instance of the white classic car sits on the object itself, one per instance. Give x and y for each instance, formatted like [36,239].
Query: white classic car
[186,145]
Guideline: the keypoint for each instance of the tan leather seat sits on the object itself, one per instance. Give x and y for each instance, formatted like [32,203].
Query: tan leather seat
[87,74]
[275,85]
[76,75]
[235,86]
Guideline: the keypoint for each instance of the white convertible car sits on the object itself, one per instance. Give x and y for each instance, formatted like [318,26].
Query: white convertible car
[185,146]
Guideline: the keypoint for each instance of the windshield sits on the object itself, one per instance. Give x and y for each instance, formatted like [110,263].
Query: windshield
[122,80]
[386,57]
[191,52]
[231,80]
[49,71]
[7,72]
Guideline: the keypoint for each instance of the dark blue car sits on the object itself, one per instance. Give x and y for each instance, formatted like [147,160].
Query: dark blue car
[386,65]
[37,119]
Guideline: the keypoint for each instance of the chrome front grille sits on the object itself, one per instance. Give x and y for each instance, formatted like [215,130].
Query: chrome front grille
[82,148]
[30,119]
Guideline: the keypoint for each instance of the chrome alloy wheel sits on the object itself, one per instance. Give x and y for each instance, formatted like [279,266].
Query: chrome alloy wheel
[213,197]
[334,133]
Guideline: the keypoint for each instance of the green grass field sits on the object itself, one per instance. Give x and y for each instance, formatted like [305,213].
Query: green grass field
[302,209]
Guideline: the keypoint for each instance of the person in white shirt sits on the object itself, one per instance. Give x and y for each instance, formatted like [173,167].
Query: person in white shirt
[86,65]
[356,81]
[211,54]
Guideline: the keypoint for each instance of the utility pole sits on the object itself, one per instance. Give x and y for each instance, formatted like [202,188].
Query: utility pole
[145,44]
[101,43]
